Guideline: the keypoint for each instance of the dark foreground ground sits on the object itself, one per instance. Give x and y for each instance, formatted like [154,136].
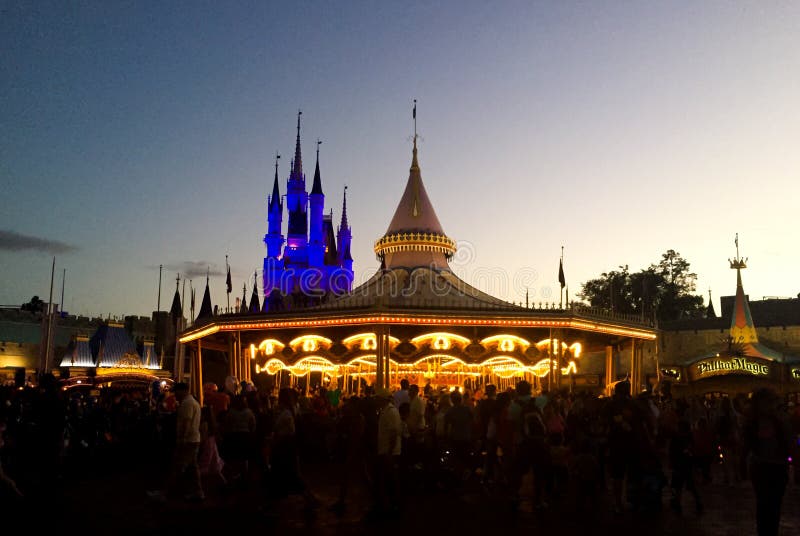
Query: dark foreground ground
[113,500]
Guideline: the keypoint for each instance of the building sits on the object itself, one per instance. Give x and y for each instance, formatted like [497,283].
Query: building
[752,345]
[416,319]
[311,260]
[111,357]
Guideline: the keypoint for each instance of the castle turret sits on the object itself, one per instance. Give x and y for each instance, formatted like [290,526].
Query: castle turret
[316,246]
[273,262]
[344,238]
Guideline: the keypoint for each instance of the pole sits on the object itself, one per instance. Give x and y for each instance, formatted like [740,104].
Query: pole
[63,282]
[158,306]
[46,357]
[227,291]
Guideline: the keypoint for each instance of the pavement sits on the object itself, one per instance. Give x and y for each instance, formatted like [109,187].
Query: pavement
[103,500]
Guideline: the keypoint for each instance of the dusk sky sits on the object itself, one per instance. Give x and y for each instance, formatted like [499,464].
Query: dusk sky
[135,134]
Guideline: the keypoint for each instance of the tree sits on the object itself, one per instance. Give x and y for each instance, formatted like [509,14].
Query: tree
[665,287]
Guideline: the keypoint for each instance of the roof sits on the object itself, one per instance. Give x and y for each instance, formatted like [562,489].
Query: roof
[205,306]
[415,211]
[316,188]
[421,287]
[415,237]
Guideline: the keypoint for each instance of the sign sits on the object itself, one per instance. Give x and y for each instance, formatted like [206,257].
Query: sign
[795,373]
[723,366]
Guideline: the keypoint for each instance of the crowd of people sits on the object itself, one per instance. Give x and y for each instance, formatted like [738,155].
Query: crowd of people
[563,447]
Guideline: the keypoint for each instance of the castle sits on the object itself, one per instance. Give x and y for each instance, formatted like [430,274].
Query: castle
[311,261]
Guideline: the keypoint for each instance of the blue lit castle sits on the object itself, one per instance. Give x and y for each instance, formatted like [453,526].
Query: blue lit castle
[312,260]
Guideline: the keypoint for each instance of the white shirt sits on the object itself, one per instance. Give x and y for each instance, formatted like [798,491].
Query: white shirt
[390,430]
[188,421]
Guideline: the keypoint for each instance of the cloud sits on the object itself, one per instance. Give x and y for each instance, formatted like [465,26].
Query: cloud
[13,241]
[194,269]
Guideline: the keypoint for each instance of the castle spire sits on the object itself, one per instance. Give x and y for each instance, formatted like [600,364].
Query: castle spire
[317,186]
[275,199]
[255,305]
[343,224]
[297,167]
[710,312]
[206,310]
[176,311]
[742,328]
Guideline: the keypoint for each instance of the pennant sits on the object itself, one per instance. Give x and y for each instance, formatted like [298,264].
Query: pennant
[561,279]
[228,281]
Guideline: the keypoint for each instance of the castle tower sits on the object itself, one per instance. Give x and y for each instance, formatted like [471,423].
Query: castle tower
[316,246]
[344,238]
[296,252]
[273,262]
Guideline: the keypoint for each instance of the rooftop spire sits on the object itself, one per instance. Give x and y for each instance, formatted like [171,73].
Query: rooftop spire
[205,307]
[343,224]
[414,163]
[297,167]
[176,310]
[742,328]
[415,237]
[255,305]
[317,187]
[710,312]
[275,200]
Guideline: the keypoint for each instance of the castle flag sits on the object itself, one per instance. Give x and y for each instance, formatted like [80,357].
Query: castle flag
[561,279]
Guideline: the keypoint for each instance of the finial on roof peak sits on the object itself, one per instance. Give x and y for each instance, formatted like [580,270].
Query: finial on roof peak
[738,263]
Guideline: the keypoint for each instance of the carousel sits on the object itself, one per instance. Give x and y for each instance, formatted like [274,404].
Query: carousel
[416,320]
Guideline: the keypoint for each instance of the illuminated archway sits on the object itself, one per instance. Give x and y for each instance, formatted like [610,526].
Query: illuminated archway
[367,341]
[441,340]
[507,343]
[309,343]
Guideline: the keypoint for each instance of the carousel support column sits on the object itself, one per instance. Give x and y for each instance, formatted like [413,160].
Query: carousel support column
[381,372]
[244,359]
[197,383]
[559,356]
[634,369]
[231,357]
[550,383]
[610,372]
[178,365]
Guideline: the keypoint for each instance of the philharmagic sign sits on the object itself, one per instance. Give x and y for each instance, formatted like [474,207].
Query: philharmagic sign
[735,365]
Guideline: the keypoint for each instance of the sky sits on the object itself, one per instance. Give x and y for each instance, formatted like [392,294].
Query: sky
[139,134]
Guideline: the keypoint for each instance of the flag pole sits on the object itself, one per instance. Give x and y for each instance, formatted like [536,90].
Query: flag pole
[63,282]
[228,283]
[46,357]
[158,304]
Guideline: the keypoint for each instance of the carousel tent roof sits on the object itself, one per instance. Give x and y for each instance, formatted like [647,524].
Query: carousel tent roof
[421,287]
[415,237]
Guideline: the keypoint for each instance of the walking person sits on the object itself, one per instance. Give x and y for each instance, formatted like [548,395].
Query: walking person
[390,429]
[683,463]
[768,446]
[187,446]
